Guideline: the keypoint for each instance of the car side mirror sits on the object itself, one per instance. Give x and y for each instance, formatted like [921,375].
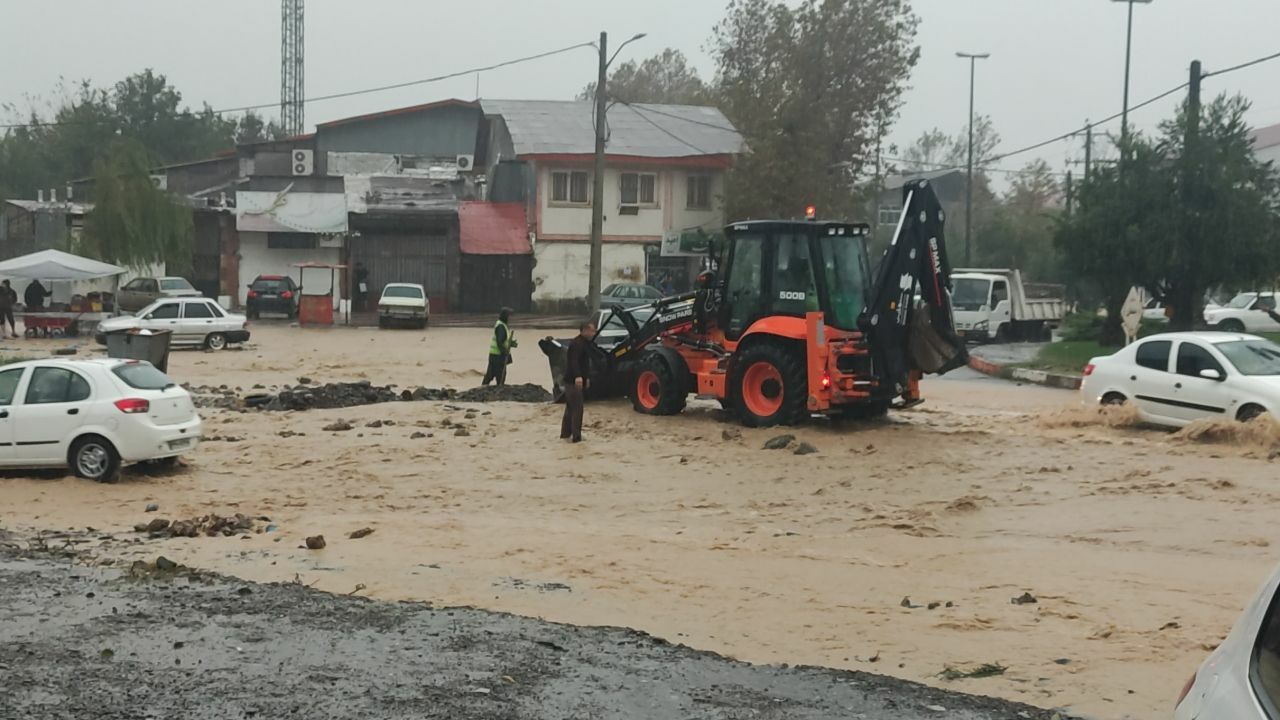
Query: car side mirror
[1210,374]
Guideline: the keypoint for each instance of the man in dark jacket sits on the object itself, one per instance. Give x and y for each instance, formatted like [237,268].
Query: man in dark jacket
[500,344]
[8,298]
[34,295]
[575,382]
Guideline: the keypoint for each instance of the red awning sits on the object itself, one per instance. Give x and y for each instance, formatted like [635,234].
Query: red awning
[494,228]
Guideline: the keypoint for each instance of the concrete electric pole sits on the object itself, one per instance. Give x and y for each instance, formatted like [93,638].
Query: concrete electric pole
[973,58]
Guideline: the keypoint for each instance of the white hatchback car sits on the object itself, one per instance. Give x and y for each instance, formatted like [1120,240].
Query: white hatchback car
[1240,680]
[193,321]
[93,416]
[1176,378]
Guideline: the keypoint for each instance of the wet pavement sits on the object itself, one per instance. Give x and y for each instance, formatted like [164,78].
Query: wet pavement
[79,642]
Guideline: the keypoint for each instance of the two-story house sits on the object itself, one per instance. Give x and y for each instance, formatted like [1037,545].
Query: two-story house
[665,167]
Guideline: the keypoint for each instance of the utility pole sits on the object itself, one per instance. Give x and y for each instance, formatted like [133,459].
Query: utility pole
[1128,54]
[1088,149]
[1183,310]
[1069,193]
[968,195]
[597,185]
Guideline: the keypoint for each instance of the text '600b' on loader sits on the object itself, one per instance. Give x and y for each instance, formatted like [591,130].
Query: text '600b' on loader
[793,326]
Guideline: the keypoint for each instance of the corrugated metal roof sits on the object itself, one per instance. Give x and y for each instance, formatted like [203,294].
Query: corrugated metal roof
[487,228]
[75,208]
[1265,137]
[451,102]
[540,127]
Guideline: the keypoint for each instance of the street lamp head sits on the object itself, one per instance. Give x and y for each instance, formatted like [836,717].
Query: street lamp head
[1143,2]
[641,36]
[973,56]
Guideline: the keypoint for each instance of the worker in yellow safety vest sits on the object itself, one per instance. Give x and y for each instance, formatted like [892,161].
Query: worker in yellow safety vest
[500,345]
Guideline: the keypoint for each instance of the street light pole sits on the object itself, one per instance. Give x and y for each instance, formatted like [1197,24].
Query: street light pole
[1128,54]
[973,59]
[597,185]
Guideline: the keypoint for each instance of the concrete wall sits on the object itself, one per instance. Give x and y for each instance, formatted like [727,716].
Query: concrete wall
[561,272]
[649,223]
[442,132]
[257,259]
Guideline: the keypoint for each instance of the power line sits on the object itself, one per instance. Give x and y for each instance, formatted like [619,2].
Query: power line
[1241,66]
[334,96]
[677,138]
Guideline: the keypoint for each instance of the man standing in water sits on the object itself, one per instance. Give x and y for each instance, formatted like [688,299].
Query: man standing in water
[575,382]
[500,344]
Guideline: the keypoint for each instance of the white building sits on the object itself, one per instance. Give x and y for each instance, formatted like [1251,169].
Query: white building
[664,175]
[1266,144]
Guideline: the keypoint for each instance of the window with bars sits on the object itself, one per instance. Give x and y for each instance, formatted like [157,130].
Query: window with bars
[570,187]
[639,189]
[698,194]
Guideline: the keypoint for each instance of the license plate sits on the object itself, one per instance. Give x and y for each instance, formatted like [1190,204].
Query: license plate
[179,444]
[265,296]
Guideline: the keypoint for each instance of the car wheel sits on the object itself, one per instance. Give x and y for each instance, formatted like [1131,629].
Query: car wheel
[1002,334]
[215,341]
[1231,325]
[94,458]
[1114,398]
[252,314]
[1249,412]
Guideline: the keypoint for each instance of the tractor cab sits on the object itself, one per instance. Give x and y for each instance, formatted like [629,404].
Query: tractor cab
[792,268]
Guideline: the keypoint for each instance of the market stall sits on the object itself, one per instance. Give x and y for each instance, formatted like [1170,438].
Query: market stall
[81,314]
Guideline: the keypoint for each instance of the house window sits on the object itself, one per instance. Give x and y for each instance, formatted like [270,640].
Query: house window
[570,187]
[890,214]
[639,189]
[699,192]
[291,241]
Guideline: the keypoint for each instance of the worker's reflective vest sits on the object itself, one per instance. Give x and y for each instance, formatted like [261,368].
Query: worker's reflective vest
[493,340]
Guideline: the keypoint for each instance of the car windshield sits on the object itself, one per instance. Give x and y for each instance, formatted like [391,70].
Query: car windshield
[402,291]
[1252,357]
[1243,300]
[175,284]
[143,376]
[970,293]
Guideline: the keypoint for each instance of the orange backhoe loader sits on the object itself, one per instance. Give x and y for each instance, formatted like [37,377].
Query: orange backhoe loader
[791,325]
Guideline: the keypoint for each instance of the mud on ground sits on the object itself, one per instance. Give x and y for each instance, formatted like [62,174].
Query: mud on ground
[93,642]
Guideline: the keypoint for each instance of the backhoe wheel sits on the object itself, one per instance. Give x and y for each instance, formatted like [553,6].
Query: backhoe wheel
[769,387]
[656,390]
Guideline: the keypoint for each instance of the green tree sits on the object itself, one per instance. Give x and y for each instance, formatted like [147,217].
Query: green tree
[666,78]
[812,89]
[1019,231]
[1225,205]
[253,128]
[133,223]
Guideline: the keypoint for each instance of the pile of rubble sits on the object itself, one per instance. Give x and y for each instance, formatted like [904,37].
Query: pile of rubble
[211,525]
[307,396]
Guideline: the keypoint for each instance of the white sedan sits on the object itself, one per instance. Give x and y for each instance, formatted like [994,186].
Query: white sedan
[193,321]
[405,303]
[1176,378]
[1247,312]
[1240,680]
[93,416]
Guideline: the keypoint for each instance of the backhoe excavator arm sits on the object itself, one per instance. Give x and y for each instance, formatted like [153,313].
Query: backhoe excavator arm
[907,339]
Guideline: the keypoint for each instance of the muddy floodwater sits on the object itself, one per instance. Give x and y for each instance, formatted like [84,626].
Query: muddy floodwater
[898,548]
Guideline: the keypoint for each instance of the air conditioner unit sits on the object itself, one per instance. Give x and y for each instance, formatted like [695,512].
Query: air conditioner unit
[466,163]
[160,182]
[629,210]
[304,162]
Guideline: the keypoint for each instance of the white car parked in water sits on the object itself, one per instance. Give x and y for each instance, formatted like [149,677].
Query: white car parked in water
[193,321]
[406,303]
[92,415]
[1240,680]
[1176,378]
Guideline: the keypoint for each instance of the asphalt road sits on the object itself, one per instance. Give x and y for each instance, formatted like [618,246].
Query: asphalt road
[82,642]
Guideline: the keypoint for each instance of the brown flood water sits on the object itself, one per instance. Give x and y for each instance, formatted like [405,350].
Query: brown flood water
[1140,545]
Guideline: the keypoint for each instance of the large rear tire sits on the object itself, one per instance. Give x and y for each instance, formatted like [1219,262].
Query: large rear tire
[656,390]
[768,386]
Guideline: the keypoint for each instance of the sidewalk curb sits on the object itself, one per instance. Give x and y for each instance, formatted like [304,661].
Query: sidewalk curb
[1035,377]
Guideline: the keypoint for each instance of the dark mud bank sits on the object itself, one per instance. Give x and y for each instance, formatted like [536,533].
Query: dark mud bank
[86,642]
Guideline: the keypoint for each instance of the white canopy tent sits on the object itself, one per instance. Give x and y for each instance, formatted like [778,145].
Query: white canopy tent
[58,266]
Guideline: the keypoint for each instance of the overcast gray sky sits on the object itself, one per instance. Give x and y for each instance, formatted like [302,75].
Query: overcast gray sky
[1054,62]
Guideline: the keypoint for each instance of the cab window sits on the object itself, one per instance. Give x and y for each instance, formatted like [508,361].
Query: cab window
[9,385]
[794,289]
[1192,359]
[1265,303]
[1154,354]
[55,385]
[743,292]
[999,293]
